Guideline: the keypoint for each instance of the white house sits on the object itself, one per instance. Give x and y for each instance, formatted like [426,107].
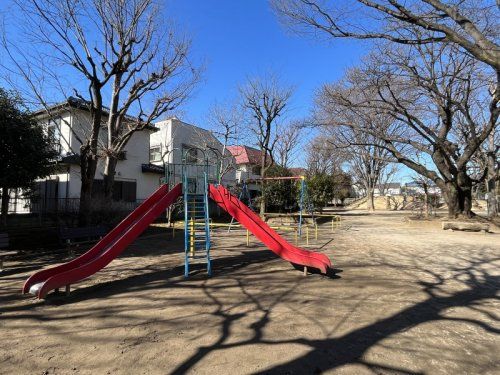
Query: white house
[177,143]
[138,173]
[67,125]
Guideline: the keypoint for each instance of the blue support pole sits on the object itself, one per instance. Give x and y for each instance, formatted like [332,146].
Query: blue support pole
[186,227]
[207,227]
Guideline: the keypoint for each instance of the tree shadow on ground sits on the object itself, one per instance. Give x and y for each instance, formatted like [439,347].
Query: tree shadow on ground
[350,348]
[150,278]
[150,244]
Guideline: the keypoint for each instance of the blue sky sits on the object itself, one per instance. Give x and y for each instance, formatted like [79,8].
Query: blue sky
[240,39]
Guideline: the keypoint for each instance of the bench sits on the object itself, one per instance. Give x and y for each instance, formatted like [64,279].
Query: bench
[4,243]
[77,236]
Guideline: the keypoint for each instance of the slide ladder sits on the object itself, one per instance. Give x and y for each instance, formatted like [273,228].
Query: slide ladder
[196,227]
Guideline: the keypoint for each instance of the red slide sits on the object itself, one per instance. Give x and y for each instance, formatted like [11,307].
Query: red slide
[107,249]
[263,232]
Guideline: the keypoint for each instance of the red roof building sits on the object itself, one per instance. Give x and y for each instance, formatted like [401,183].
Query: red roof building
[248,161]
[245,154]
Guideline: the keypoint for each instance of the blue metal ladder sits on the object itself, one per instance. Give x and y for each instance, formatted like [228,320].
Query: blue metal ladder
[196,227]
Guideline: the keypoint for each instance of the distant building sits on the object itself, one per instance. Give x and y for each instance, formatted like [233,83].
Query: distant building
[393,188]
[416,188]
[248,162]
[248,166]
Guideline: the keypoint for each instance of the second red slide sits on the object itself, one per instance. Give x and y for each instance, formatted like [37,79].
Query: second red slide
[263,232]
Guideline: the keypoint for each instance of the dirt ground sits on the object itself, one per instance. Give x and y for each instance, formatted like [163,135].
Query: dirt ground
[410,299]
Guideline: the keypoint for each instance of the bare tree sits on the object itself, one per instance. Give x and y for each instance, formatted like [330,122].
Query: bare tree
[474,26]
[493,176]
[367,158]
[432,94]
[425,184]
[485,165]
[387,178]
[227,124]
[367,161]
[116,51]
[287,144]
[265,100]
[324,157]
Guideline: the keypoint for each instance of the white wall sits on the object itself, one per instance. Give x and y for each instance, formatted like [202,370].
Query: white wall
[245,172]
[137,153]
[174,135]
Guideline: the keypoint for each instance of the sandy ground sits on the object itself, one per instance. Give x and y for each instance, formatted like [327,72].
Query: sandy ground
[411,298]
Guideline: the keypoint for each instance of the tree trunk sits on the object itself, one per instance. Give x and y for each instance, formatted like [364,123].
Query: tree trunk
[426,201]
[89,155]
[263,201]
[452,200]
[263,170]
[5,206]
[370,203]
[459,197]
[88,166]
[491,179]
[109,177]
[465,193]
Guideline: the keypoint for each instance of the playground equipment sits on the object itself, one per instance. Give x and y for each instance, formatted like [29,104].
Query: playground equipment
[196,190]
[304,202]
[196,211]
[244,194]
[107,249]
[264,233]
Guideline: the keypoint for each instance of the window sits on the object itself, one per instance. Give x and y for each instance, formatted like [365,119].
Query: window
[155,153]
[103,134]
[125,191]
[54,134]
[51,132]
[53,129]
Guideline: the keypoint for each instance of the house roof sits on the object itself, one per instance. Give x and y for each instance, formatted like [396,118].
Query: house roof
[245,154]
[83,105]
